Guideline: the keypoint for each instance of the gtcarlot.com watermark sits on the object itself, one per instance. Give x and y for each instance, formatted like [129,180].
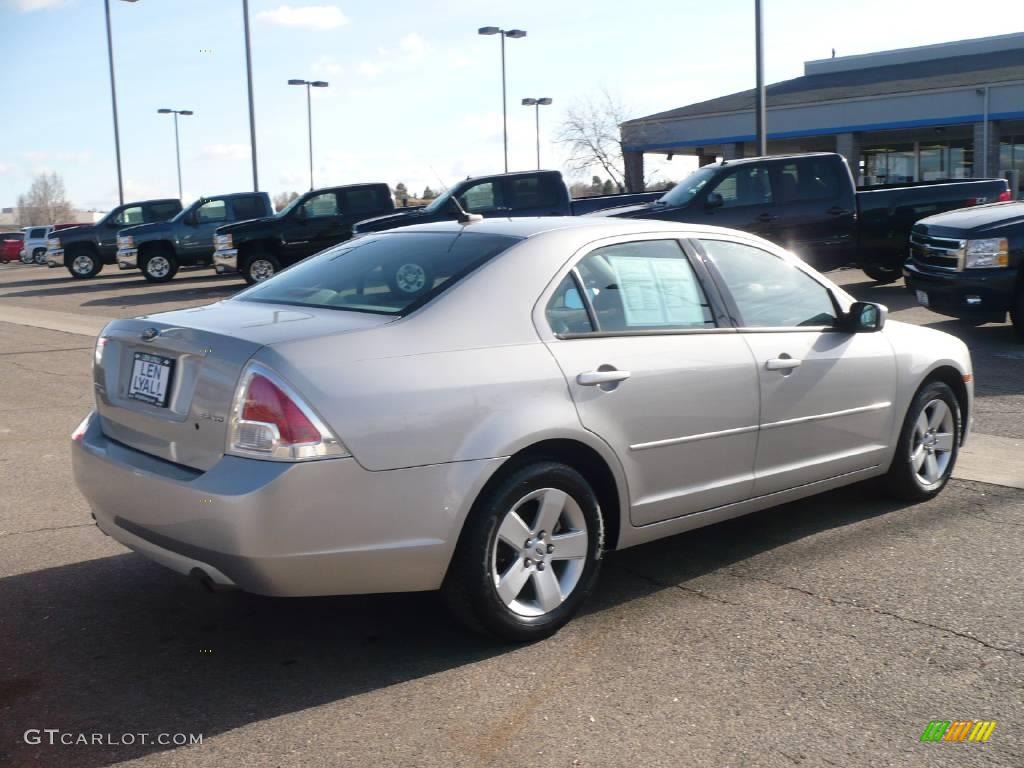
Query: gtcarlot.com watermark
[56,737]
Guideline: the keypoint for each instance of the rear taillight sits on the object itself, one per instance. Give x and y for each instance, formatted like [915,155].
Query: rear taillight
[1004,196]
[270,421]
[79,434]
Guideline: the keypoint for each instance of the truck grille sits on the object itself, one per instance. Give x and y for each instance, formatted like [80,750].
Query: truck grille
[940,252]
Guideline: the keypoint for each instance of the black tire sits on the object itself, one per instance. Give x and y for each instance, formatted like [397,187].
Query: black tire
[469,587]
[260,266]
[881,273]
[410,278]
[1017,312]
[903,480]
[159,266]
[83,263]
[38,256]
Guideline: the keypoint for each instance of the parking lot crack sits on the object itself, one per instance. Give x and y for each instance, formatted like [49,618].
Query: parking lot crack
[49,528]
[680,587]
[878,611]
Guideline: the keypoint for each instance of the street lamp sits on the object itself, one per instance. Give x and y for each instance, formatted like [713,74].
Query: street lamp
[252,113]
[113,101]
[537,104]
[309,116]
[177,147]
[515,34]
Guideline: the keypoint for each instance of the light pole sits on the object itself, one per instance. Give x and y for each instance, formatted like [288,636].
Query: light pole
[252,114]
[177,146]
[537,104]
[309,116]
[113,101]
[515,34]
[760,127]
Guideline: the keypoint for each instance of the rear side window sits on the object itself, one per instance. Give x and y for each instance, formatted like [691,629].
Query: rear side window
[12,236]
[389,273]
[646,285]
[163,211]
[363,200]
[530,192]
[37,234]
[250,207]
[808,179]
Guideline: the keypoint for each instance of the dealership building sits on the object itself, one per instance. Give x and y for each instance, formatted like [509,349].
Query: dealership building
[953,110]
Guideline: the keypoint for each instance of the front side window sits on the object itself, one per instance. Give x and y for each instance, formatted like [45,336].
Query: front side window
[212,211]
[480,197]
[645,285]
[390,273]
[324,204]
[129,217]
[747,185]
[768,291]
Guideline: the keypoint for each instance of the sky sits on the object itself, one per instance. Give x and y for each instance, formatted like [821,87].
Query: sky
[415,92]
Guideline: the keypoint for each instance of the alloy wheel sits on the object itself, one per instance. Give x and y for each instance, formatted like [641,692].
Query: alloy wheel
[260,270]
[158,266]
[931,448]
[82,265]
[539,552]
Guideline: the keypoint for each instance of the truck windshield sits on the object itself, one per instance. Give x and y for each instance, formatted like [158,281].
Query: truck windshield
[687,189]
[292,205]
[439,202]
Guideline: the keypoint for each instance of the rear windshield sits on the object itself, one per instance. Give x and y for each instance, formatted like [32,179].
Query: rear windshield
[12,236]
[390,273]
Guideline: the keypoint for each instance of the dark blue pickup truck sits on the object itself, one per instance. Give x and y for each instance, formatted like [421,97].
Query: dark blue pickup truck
[529,193]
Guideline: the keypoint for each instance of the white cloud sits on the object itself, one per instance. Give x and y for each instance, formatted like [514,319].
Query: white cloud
[369,69]
[413,44]
[4,168]
[326,65]
[225,151]
[306,16]
[27,6]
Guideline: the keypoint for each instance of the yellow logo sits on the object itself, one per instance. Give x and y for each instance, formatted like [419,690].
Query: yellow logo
[958,730]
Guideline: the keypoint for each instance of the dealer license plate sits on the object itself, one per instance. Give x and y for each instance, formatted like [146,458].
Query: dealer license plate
[151,379]
[922,298]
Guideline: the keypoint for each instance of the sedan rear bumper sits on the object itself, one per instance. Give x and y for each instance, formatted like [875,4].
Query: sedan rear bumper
[290,529]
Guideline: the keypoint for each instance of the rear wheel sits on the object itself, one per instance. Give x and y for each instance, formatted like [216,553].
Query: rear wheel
[38,256]
[159,267]
[529,554]
[881,273]
[260,266]
[928,444]
[83,264]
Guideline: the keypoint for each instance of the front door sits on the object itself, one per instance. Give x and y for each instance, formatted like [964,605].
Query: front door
[106,235]
[741,199]
[651,373]
[316,224]
[197,237]
[826,395]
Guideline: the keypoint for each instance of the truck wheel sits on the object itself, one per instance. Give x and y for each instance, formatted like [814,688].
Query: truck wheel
[410,278]
[1017,312]
[881,273]
[83,264]
[159,268]
[38,256]
[260,266]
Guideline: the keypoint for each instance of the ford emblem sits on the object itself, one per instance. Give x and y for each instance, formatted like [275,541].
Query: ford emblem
[149,334]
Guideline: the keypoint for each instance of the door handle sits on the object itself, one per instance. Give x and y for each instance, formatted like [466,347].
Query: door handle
[598,377]
[767,217]
[782,364]
[835,210]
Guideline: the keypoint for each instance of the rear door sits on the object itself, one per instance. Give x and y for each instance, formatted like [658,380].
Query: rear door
[742,198]
[197,235]
[655,375]
[826,395]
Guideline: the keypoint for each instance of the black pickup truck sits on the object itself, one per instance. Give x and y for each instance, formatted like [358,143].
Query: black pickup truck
[969,264]
[808,203]
[161,248]
[529,193]
[311,222]
[85,249]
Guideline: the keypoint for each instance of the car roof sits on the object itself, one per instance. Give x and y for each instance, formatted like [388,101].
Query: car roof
[590,226]
[762,158]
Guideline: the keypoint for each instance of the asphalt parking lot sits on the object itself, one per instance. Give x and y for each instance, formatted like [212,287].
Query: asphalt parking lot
[823,633]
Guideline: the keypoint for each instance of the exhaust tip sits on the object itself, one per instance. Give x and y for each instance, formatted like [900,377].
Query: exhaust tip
[208,583]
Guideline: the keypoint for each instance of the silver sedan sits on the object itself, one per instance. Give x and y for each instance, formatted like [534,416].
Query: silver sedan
[487,407]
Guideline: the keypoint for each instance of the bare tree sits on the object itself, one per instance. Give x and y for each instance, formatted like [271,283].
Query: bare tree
[45,202]
[591,132]
[281,200]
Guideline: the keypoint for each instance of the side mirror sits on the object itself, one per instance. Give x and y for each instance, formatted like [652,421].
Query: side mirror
[714,200]
[865,317]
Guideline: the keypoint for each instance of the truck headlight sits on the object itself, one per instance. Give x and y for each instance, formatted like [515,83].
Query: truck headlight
[985,254]
[125,241]
[222,242]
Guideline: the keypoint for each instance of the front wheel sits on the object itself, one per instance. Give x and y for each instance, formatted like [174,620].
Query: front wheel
[83,265]
[529,554]
[928,446]
[260,267]
[159,268]
[881,273]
